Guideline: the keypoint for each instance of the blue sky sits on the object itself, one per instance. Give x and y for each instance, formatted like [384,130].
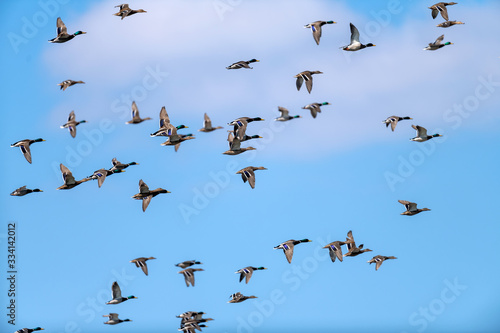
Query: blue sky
[341,171]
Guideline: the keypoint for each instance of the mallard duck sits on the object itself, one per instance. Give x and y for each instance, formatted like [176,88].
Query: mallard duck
[29,330]
[246,273]
[125,11]
[355,43]
[241,135]
[352,249]
[393,121]
[306,76]
[411,208]
[440,7]
[248,174]
[242,64]
[207,125]
[315,108]
[25,147]
[190,327]
[189,275]
[62,33]
[288,246]
[191,314]
[167,130]
[422,134]
[141,262]
[101,175]
[448,24]
[136,118]
[316,28]
[23,191]
[68,83]
[146,195]
[117,295]
[335,250]
[378,260]
[239,297]
[437,44]
[235,146]
[113,319]
[117,165]
[69,180]
[72,123]
[242,122]
[187,263]
[285,114]
[175,139]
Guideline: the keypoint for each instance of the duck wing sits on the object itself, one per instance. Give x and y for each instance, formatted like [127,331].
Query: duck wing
[61,27]
[354,34]
[207,123]
[116,291]
[143,188]
[67,175]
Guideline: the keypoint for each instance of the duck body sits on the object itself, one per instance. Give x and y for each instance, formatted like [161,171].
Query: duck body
[246,273]
[69,180]
[189,275]
[117,165]
[207,125]
[355,44]
[113,319]
[288,247]
[239,297]
[448,24]
[352,249]
[242,64]
[72,123]
[141,262]
[440,7]
[117,295]
[315,108]
[316,29]
[285,114]
[24,145]
[248,174]
[422,134]
[235,146]
[23,191]
[68,83]
[335,250]
[188,263]
[124,11]
[437,44]
[393,121]
[146,195]
[136,117]
[305,76]
[378,260]
[29,330]
[411,208]
[62,33]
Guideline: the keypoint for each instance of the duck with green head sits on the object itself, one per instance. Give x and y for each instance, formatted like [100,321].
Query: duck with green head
[437,44]
[117,295]
[62,33]
[422,134]
[285,115]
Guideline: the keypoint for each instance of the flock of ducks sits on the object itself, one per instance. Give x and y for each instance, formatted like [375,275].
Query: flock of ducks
[192,321]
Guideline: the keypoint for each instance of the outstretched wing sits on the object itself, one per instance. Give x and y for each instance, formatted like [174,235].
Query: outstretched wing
[67,175]
[61,27]
[143,188]
[116,291]
[207,123]
[284,111]
[354,34]
[135,111]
